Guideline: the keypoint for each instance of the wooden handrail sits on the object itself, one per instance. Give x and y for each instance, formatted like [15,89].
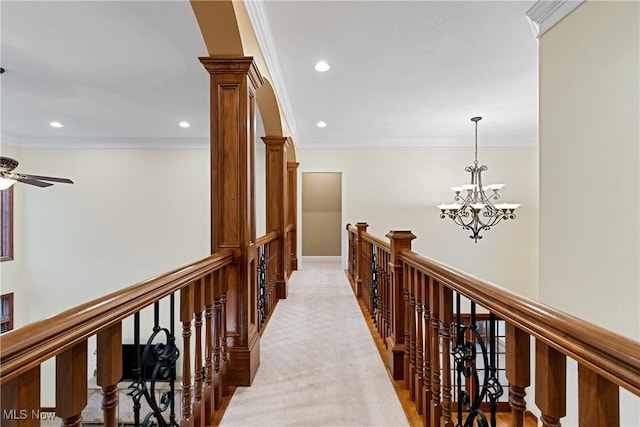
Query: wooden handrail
[32,344]
[611,355]
[376,241]
[262,240]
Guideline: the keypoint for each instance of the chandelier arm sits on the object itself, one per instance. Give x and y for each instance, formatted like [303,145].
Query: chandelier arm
[458,219]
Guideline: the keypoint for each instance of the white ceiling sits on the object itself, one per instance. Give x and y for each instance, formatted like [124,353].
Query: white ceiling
[402,73]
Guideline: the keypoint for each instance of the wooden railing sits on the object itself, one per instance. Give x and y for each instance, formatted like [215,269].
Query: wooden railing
[420,337]
[267,298]
[201,288]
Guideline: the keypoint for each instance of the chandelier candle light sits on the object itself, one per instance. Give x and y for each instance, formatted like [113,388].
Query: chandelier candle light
[473,209]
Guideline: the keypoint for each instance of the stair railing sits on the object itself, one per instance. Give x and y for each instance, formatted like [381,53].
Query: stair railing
[199,290]
[438,352]
[267,298]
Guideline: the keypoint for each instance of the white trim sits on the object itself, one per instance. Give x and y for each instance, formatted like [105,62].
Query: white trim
[545,14]
[262,29]
[9,140]
[116,143]
[410,142]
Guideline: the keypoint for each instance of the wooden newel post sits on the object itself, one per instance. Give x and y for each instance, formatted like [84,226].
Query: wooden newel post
[395,342]
[360,261]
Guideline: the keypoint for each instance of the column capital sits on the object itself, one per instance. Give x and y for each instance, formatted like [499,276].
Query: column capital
[224,64]
[276,140]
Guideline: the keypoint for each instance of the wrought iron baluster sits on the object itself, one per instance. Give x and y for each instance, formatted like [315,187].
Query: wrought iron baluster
[354,248]
[262,284]
[466,351]
[161,350]
[374,283]
[367,279]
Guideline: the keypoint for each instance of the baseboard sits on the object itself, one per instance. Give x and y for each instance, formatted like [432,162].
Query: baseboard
[322,258]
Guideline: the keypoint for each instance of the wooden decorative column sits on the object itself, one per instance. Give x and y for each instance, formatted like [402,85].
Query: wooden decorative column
[277,212]
[395,342]
[234,82]
[292,206]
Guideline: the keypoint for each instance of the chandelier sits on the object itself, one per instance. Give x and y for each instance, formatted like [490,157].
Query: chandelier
[473,209]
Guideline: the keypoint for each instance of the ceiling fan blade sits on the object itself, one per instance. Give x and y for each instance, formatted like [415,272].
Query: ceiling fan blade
[47,178]
[33,182]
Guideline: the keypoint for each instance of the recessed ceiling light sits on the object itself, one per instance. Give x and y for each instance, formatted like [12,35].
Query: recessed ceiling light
[321,124]
[55,124]
[184,124]
[322,66]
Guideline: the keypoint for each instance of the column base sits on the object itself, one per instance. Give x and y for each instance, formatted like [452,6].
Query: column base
[244,362]
[395,358]
[282,289]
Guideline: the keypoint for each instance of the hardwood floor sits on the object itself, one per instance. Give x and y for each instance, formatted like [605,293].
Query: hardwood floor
[415,420]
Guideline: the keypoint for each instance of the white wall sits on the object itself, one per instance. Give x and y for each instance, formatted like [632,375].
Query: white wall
[131,215]
[398,189]
[589,175]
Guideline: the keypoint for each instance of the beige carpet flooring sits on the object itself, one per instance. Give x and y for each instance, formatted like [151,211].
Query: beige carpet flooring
[319,365]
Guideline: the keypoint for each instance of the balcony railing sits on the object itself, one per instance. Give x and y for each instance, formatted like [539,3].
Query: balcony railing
[176,379]
[451,357]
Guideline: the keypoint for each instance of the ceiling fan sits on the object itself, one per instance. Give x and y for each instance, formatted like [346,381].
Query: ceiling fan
[8,177]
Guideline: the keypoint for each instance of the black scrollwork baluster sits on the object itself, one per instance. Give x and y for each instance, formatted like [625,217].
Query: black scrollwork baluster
[262,284]
[468,340]
[160,349]
[374,284]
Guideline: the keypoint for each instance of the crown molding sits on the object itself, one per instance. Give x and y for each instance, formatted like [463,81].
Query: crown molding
[543,15]
[366,143]
[9,140]
[262,29]
[113,143]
